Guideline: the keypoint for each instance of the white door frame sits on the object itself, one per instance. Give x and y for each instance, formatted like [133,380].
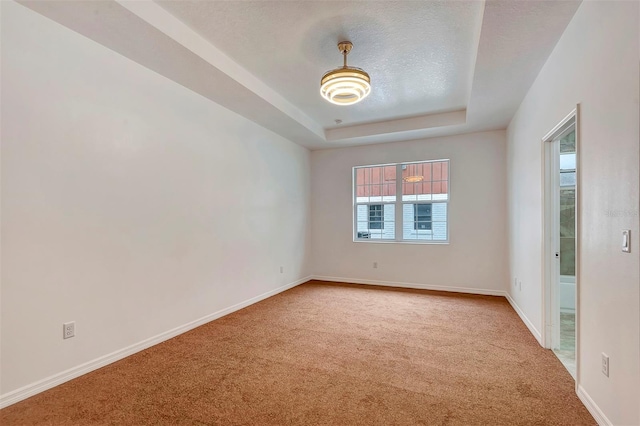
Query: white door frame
[550,265]
[551,256]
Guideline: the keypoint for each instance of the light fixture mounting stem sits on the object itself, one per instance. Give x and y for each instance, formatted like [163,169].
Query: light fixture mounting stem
[345,47]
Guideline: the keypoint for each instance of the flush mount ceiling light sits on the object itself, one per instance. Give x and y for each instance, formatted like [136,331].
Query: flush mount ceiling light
[345,85]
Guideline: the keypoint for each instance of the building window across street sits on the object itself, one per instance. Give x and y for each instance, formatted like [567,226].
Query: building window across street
[375,216]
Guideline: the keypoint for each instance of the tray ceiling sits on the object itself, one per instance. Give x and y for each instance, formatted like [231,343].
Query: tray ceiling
[437,68]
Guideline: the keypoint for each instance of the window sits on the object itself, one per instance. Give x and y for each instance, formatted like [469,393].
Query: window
[375,216]
[422,216]
[419,214]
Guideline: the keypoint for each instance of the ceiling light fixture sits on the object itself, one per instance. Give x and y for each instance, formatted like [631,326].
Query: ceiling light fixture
[345,85]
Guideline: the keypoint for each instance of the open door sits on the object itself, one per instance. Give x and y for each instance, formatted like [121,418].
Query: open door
[560,246]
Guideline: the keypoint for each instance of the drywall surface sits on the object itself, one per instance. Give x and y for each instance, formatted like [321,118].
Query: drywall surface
[475,257]
[595,64]
[130,204]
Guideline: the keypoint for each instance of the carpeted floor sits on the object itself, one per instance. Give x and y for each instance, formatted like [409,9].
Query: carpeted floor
[330,354]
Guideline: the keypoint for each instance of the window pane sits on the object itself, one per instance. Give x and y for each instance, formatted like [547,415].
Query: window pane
[416,172]
[375,221]
[375,217]
[375,184]
[409,225]
[568,142]
[389,192]
[424,221]
[408,188]
[437,187]
[437,171]
[439,231]
[422,217]
[568,179]
[362,216]
[439,224]
[568,161]
[425,181]
[389,216]
[390,174]
[376,175]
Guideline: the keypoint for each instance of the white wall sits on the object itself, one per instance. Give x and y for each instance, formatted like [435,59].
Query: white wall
[595,64]
[474,259]
[129,204]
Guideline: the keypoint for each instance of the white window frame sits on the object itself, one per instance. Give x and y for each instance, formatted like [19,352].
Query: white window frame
[399,205]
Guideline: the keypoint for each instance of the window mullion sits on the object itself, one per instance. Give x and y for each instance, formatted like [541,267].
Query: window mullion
[398,205]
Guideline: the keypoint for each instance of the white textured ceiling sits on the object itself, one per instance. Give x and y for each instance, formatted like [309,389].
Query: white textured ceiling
[420,55]
[437,68]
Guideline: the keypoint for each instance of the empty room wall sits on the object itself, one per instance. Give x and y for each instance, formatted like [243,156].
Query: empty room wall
[130,204]
[474,259]
[595,64]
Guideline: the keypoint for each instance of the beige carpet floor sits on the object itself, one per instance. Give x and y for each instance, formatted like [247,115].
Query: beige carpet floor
[330,354]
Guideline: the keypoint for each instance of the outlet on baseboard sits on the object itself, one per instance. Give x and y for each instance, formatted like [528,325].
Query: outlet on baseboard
[375,265]
[68,330]
[605,364]
[515,282]
[282,269]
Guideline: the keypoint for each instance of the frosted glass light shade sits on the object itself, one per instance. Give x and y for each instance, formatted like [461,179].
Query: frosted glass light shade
[345,86]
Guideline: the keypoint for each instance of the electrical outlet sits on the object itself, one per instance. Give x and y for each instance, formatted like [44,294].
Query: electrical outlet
[282,269]
[375,265]
[515,282]
[605,364]
[519,285]
[68,329]
[626,241]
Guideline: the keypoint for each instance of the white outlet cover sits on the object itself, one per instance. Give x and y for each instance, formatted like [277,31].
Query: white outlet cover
[68,330]
[626,240]
[605,364]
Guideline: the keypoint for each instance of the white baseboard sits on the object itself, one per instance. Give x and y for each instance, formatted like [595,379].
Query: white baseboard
[536,333]
[593,408]
[57,379]
[469,290]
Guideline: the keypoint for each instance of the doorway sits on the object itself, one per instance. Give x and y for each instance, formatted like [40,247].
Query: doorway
[561,236]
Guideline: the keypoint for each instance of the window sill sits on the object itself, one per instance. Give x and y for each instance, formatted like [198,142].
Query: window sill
[376,241]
